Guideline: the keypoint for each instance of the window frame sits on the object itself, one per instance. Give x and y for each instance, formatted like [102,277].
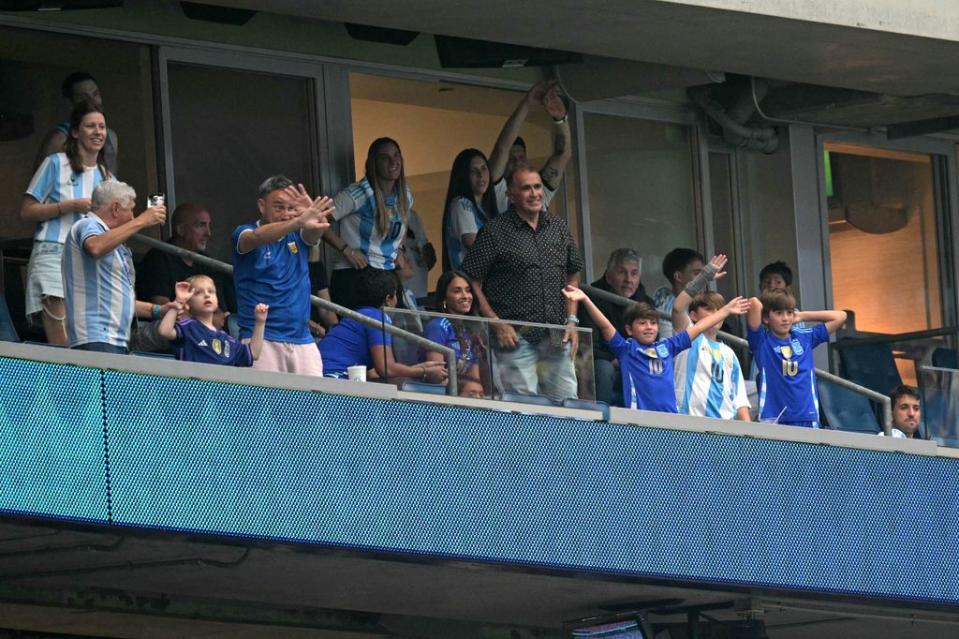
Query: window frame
[946,191]
[651,111]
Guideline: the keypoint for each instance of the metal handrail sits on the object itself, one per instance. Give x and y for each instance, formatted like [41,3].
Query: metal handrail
[223,267]
[899,337]
[733,340]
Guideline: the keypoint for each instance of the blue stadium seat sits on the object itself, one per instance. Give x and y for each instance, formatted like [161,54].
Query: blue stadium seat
[869,365]
[423,387]
[587,404]
[935,407]
[8,332]
[522,398]
[846,410]
[233,326]
[945,358]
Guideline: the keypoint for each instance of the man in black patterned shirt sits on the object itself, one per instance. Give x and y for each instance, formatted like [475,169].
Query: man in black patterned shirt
[518,266]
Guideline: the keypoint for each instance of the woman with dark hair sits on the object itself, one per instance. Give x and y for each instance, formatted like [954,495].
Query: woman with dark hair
[58,196]
[470,203]
[454,297]
[350,343]
[372,214]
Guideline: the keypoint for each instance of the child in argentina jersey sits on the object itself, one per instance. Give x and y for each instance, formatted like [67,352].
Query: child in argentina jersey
[196,339]
[645,362]
[647,371]
[709,381]
[787,391]
[784,357]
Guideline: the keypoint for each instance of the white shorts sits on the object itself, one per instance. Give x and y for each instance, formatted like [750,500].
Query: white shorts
[283,357]
[44,277]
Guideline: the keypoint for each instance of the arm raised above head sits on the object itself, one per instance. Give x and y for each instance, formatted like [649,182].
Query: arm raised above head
[499,157]
[754,316]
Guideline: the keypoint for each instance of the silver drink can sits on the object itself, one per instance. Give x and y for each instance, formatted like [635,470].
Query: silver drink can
[156,199]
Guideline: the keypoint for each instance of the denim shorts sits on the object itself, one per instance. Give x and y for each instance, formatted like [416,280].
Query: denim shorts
[44,277]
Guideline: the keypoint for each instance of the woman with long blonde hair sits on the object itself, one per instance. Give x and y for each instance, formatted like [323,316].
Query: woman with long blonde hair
[372,216]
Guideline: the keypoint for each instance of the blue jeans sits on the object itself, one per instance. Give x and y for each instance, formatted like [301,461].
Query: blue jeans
[537,369]
[102,347]
[609,382]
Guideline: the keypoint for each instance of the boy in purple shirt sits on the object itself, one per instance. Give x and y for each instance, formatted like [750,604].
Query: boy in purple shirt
[196,339]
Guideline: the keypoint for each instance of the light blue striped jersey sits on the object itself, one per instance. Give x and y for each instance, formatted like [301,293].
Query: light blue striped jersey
[464,217]
[709,380]
[55,181]
[787,383]
[664,298]
[356,214]
[98,292]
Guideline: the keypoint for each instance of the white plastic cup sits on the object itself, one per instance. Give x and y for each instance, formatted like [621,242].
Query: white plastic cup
[356,373]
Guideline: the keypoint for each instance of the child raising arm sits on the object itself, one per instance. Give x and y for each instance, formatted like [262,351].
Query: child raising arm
[645,363]
[196,339]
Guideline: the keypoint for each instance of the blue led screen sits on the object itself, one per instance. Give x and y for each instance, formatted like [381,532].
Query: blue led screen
[52,441]
[447,481]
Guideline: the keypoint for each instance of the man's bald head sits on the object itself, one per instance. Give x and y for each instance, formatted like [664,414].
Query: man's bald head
[192,226]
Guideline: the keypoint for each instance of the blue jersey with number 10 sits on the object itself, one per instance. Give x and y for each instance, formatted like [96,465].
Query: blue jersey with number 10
[647,371]
[787,391]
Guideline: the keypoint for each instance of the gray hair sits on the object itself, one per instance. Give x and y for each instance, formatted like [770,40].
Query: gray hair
[112,191]
[273,183]
[622,255]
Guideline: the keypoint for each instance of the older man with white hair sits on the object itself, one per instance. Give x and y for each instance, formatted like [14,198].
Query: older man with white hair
[622,275]
[98,276]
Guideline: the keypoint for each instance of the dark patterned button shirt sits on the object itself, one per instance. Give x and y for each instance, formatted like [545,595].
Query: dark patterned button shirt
[523,271]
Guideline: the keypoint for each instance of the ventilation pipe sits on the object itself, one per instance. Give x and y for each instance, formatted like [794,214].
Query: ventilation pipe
[733,119]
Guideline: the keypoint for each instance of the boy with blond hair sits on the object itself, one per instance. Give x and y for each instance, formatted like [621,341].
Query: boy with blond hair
[783,354]
[196,339]
[709,379]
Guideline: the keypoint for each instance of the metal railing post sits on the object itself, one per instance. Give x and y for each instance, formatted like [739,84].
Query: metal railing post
[223,267]
[872,395]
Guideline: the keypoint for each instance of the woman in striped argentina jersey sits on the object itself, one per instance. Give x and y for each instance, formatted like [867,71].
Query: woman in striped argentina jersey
[371,215]
[57,197]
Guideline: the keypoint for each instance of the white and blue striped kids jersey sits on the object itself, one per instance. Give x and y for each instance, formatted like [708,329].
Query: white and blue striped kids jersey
[787,383]
[464,217]
[98,292]
[709,380]
[647,371]
[356,214]
[55,181]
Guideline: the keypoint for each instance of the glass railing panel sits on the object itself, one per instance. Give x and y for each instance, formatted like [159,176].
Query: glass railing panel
[505,357]
[939,388]
[542,359]
[465,334]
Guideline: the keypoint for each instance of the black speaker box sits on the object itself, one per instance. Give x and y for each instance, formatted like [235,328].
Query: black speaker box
[466,53]
[380,34]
